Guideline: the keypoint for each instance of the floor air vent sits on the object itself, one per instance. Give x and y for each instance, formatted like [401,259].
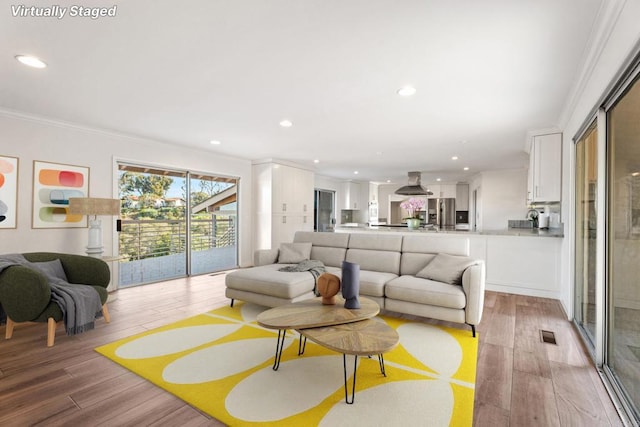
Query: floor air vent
[547,337]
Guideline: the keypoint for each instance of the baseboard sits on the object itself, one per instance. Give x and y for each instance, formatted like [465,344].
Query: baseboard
[519,290]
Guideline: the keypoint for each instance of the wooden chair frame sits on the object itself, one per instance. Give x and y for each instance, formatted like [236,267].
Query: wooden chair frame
[51,326]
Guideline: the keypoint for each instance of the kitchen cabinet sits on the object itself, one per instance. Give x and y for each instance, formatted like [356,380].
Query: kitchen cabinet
[373,193]
[447,191]
[462,197]
[283,203]
[545,169]
[353,196]
[442,191]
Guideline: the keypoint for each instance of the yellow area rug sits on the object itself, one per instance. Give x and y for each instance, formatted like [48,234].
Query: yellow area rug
[221,363]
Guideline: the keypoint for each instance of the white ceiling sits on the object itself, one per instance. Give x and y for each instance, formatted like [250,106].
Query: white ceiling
[486,73]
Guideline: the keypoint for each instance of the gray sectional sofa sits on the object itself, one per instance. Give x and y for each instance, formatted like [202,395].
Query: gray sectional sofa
[415,274]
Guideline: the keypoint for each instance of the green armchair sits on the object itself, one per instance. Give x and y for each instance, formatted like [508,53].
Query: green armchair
[25,294]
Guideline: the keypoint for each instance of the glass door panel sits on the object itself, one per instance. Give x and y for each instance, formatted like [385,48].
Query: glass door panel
[623,248]
[152,239]
[585,232]
[213,223]
[323,213]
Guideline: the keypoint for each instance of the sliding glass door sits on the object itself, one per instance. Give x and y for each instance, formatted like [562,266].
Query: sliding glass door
[585,232]
[175,224]
[324,216]
[213,223]
[623,246]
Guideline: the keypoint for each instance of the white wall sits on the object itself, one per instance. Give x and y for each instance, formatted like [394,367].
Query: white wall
[32,139]
[622,41]
[384,191]
[503,197]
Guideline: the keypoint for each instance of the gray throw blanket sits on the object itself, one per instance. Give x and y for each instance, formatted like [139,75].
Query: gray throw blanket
[80,305]
[315,267]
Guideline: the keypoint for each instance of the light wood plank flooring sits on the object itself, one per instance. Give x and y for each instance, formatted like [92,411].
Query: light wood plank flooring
[520,381]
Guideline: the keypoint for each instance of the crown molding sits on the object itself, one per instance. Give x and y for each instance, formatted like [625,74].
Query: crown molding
[604,24]
[21,115]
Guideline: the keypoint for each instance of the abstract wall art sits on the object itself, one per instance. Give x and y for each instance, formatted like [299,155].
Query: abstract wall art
[8,191]
[53,185]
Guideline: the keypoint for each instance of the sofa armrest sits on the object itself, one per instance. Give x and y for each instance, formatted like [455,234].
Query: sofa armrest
[473,283]
[265,256]
[24,293]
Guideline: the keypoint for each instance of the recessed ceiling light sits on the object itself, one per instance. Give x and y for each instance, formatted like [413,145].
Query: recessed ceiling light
[215,142]
[316,161]
[286,123]
[466,168]
[635,174]
[406,91]
[388,181]
[439,179]
[355,172]
[31,61]
[454,158]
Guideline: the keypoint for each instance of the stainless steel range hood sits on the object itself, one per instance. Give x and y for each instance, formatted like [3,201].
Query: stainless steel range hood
[414,188]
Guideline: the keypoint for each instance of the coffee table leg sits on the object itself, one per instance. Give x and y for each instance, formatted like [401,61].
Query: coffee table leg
[381,361]
[279,346]
[353,388]
[302,345]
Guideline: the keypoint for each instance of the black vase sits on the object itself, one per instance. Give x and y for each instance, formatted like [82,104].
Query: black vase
[350,284]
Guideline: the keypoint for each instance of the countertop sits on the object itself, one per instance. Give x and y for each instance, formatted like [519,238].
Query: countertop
[524,232]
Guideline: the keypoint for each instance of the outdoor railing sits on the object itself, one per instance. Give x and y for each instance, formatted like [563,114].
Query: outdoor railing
[140,239]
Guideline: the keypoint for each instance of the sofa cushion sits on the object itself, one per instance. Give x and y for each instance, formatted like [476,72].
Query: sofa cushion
[382,261]
[425,291]
[329,256]
[378,242]
[446,268]
[293,253]
[411,263]
[334,240]
[267,280]
[330,248]
[372,283]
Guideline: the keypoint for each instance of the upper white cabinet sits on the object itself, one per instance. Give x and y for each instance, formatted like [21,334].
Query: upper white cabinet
[354,197]
[435,189]
[442,191]
[292,189]
[545,169]
[462,197]
[283,202]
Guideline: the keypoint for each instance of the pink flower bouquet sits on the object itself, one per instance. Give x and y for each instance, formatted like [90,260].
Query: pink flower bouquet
[412,206]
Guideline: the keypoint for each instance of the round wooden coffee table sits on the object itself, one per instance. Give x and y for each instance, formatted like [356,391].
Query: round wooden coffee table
[311,313]
[347,331]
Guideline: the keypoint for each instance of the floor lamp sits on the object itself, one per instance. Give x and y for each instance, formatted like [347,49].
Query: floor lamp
[94,206]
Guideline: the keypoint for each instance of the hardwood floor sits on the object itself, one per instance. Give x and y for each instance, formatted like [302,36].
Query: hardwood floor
[521,381]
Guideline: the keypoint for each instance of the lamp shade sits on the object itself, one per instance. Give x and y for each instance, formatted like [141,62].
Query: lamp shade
[93,206]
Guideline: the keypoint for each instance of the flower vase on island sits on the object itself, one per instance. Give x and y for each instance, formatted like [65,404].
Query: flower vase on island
[413,206]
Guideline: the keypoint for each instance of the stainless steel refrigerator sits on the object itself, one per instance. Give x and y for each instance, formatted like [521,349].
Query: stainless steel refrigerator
[442,212]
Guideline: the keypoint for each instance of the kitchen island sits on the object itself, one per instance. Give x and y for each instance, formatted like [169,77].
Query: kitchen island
[518,260]
[529,232]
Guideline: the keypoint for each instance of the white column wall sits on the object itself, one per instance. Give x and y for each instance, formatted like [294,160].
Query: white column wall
[613,56]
